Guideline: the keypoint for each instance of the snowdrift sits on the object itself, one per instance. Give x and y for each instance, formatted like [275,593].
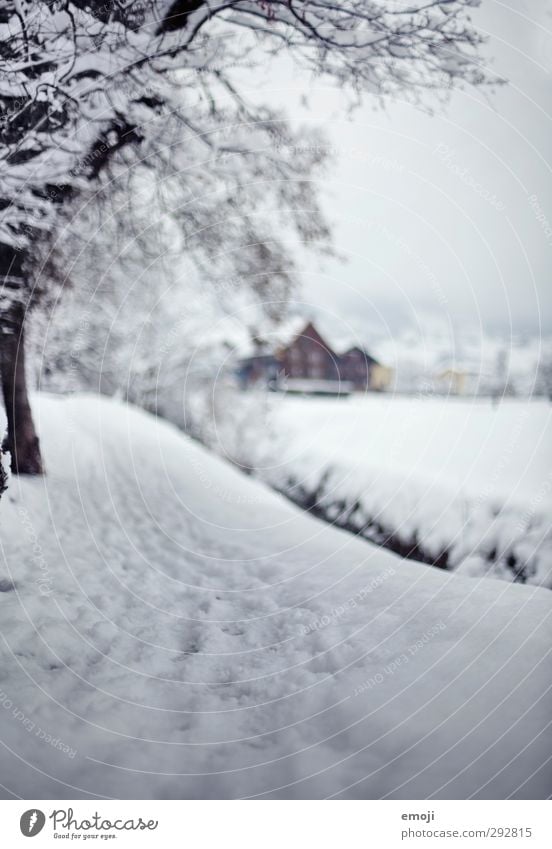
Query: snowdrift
[458,483]
[173,629]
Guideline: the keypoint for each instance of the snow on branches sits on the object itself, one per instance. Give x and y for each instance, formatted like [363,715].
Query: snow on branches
[80,80]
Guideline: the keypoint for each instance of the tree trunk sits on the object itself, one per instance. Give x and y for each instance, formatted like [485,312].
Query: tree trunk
[21,439]
[3,477]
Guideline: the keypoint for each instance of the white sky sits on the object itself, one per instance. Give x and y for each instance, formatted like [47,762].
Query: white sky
[425,248]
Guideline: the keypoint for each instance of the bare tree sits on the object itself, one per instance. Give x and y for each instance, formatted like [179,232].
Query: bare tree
[81,80]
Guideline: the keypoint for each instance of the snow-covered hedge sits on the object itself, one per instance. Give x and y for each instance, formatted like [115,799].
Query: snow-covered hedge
[458,484]
[474,538]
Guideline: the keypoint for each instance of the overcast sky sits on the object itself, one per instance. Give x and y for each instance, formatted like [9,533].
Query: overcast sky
[439,215]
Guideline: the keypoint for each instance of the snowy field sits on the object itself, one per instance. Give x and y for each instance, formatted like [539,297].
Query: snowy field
[468,483]
[174,629]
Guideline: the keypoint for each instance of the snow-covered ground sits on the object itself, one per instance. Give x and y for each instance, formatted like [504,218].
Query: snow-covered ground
[460,479]
[174,629]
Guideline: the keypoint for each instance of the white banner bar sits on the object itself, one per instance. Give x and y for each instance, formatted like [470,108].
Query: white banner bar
[278,824]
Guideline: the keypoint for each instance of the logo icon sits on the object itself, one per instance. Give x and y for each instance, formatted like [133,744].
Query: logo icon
[32,822]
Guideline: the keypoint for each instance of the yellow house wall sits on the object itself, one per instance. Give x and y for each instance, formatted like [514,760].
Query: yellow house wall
[380,377]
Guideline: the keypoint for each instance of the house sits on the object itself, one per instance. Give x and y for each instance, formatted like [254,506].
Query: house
[457,380]
[307,363]
[381,377]
[451,381]
[357,365]
[309,357]
[260,367]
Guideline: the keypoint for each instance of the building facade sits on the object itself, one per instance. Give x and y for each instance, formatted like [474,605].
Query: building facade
[309,357]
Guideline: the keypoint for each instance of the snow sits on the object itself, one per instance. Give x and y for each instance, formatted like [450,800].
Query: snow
[457,475]
[311,386]
[173,629]
[418,357]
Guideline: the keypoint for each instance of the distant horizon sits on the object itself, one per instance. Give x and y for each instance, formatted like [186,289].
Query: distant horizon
[353,325]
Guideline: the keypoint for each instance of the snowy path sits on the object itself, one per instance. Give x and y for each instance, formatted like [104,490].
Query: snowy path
[177,630]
